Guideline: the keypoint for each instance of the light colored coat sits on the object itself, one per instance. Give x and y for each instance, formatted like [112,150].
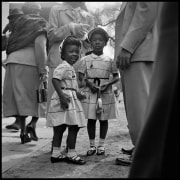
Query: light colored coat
[59,18]
[134,32]
[134,29]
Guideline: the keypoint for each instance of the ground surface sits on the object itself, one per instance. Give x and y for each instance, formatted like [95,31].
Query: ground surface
[32,160]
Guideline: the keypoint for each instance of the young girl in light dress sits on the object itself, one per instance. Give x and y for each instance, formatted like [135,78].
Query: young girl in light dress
[65,109]
[97,73]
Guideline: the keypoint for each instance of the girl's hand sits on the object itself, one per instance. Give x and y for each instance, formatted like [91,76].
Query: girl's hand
[104,87]
[80,96]
[92,86]
[65,100]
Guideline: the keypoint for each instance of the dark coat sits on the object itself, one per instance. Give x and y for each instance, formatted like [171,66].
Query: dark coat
[157,151]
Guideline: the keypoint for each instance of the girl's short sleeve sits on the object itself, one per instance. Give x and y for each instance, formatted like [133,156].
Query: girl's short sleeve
[59,72]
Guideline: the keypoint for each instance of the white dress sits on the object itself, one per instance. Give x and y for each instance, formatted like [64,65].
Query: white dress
[74,115]
[102,68]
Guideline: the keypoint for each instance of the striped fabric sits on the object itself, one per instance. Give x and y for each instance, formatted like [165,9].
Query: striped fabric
[102,68]
[74,114]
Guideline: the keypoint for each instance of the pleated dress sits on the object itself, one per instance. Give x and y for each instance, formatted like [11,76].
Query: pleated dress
[99,69]
[74,115]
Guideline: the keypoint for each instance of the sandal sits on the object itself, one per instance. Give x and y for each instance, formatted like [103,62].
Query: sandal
[75,160]
[60,158]
[124,161]
[91,151]
[100,150]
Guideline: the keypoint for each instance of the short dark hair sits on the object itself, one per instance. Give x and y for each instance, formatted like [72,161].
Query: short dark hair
[69,40]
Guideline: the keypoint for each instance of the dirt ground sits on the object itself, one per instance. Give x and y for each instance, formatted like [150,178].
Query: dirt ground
[38,165]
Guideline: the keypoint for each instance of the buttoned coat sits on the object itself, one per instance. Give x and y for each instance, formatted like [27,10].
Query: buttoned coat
[134,29]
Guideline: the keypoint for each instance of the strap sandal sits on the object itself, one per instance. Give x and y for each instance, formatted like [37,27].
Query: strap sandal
[75,160]
[60,158]
[100,150]
[91,151]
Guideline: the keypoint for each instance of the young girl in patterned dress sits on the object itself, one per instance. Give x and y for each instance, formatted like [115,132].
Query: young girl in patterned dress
[65,110]
[98,72]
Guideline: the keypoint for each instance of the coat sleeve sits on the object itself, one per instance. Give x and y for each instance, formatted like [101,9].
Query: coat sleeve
[56,33]
[142,22]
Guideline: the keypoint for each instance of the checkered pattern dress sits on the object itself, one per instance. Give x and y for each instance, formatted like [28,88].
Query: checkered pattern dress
[102,68]
[74,114]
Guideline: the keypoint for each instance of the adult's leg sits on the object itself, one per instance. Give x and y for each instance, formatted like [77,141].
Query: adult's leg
[15,125]
[23,134]
[34,121]
[136,82]
[31,128]
[22,120]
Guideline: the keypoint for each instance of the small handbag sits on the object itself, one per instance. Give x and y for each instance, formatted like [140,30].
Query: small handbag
[42,92]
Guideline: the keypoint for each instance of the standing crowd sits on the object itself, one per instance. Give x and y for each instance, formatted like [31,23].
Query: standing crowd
[58,70]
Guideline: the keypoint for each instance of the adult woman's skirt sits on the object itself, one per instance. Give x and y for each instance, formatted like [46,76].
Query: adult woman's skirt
[19,91]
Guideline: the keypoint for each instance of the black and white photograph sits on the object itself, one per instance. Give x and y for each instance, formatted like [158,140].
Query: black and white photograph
[89,89]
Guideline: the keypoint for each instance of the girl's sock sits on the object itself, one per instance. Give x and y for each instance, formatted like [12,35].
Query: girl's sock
[92,142]
[63,150]
[56,152]
[71,152]
[101,142]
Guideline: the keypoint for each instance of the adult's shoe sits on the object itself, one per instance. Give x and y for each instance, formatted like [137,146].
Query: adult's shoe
[127,151]
[124,161]
[13,126]
[31,130]
[24,138]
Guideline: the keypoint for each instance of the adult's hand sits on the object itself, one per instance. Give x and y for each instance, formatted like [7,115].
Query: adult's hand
[79,29]
[43,73]
[123,59]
